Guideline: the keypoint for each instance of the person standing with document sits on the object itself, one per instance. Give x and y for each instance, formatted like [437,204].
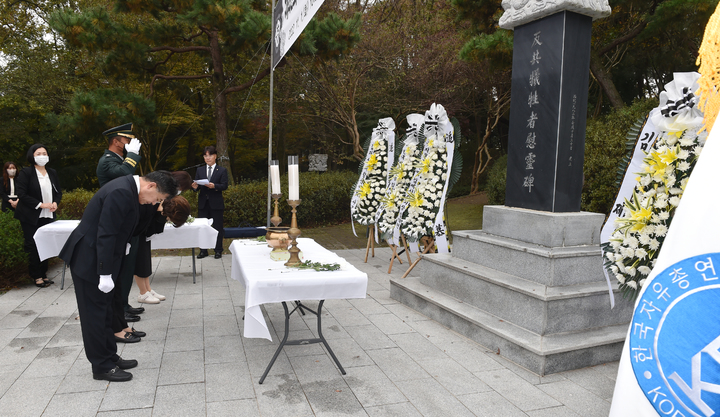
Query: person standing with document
[213,179]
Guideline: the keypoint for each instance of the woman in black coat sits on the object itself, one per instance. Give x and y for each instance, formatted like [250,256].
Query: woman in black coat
[39,193]
[8,193]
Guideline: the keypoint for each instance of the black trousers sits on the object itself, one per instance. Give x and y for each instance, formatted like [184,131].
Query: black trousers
[217,216]
[36,269]
[96,312]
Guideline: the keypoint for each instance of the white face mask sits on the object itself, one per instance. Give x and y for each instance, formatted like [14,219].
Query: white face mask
[11,172]
[42,160]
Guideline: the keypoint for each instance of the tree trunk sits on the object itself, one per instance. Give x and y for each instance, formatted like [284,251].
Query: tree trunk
[220,108]
[606,82]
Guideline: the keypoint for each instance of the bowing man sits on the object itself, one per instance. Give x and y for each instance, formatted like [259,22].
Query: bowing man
[210,201]
[95,251]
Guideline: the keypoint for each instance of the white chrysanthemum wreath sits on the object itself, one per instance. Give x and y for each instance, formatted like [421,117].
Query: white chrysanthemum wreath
[401,175]
[632,250]
[371,186]
[425,199]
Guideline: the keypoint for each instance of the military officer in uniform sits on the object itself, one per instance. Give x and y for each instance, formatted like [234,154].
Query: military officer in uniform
[113,165]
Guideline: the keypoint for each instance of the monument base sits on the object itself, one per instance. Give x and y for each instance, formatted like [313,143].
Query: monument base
[529,285]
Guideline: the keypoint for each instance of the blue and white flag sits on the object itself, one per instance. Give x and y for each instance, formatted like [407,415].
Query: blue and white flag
[670,363]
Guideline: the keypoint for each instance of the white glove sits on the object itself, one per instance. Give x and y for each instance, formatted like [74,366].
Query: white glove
[133,146]
[106,283]
[127,249]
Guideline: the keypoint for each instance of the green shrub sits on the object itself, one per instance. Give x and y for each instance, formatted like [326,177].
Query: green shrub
[604,150]
[73,204]
[325,200]
[496,179]
[13,260]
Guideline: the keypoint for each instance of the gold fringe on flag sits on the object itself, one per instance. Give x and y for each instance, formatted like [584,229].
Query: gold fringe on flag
[709,62]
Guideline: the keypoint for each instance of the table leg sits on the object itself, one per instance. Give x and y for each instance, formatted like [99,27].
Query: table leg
[299,306]
[193,259]
[284,341]
[322,338]
[62,280]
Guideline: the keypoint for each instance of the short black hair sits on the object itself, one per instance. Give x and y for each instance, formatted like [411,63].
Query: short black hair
[210,149]
[110,139]
[165,182]
[31,151]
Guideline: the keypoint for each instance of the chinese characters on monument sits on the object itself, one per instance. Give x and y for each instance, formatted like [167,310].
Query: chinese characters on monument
[549,100]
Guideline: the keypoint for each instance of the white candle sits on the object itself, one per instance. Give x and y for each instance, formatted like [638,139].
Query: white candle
[275,179]
[293,179]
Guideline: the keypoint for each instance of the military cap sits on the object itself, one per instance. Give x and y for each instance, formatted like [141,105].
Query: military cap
[122,130]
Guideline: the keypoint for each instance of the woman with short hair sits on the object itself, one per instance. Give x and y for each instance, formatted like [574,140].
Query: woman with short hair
[39,193]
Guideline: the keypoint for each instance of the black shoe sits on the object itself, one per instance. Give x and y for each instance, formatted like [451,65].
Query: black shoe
[129,338]
[135,310]
[114,375]
[202,254]
[126,363]
[218,255]
[131,318]
[138,333]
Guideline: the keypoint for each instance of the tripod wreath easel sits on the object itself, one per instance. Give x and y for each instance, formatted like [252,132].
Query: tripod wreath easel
[396,255]
[370,241]
[428,245]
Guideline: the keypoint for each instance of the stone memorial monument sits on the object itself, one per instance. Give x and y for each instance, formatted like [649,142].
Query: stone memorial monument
[530,285]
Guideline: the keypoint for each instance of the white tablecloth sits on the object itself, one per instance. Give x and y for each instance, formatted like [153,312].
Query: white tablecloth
[268,281]
[199,234]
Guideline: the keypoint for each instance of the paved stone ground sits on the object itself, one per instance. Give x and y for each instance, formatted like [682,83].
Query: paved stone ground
[194,361]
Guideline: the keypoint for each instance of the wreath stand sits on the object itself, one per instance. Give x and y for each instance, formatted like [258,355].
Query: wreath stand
[370,242]
[428,244]
[394,256]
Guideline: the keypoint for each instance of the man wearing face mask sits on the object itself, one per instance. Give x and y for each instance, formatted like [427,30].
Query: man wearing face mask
[113,165]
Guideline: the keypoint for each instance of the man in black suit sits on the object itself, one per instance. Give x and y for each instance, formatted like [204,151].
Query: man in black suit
[210,202]
[95,251]
[110,166]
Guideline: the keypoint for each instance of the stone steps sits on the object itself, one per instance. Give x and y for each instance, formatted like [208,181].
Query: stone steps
[545,309]
[542,354]
[529,285]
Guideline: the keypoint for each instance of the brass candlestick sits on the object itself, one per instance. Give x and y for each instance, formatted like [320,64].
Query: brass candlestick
[294,233]
[276,219]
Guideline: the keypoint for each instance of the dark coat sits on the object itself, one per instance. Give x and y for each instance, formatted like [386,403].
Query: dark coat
[27,188]
[4,193]
[97,246]
[212,196]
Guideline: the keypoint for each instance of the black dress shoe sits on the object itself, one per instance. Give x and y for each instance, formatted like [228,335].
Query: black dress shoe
[218,255]
[135,310]
[129,338]
[202,254]
[130,318]
[126,363]
[138,333]
[114,375]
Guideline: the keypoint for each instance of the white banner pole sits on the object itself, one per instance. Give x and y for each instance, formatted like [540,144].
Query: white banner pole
[270,124]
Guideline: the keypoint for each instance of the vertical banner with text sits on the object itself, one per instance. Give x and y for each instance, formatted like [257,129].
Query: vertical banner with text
[289,19]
